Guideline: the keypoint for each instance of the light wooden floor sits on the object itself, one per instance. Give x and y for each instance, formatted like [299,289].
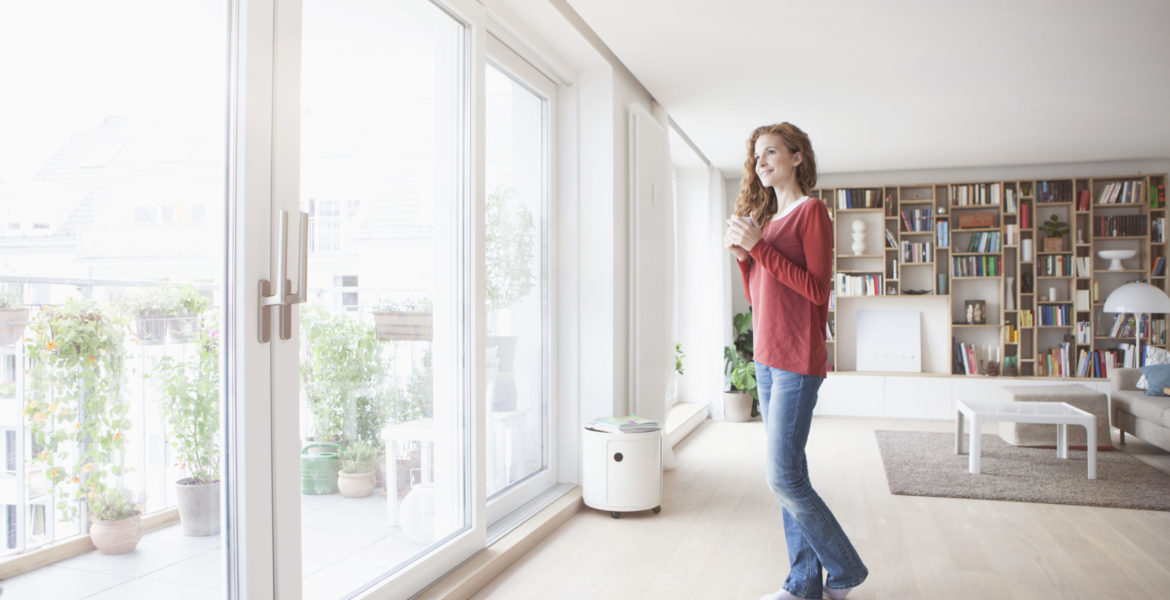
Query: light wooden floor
[719,534]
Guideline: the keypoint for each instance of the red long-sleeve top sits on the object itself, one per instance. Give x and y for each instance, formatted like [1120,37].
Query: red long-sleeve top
[787,278]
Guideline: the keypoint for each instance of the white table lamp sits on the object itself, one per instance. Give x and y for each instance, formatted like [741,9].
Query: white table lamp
[1137,298]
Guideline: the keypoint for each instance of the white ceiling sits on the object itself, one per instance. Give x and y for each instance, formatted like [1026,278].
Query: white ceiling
[905,84]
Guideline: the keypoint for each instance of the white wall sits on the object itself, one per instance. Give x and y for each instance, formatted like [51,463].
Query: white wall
[1007,172]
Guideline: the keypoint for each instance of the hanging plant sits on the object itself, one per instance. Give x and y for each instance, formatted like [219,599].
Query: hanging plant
[77,415]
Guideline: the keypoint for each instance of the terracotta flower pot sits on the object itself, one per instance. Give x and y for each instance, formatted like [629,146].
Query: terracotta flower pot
[116,537]
[356,485]
[1053,244]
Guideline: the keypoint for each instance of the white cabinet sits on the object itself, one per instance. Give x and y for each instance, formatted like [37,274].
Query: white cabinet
[622,472]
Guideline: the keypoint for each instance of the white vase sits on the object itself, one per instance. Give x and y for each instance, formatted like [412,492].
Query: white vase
[1009,300]
[858,237]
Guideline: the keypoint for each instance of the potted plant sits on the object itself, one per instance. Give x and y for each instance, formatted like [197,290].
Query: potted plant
[1054,231]
[188,305]
[342,371]
[408,319]
[190,405]
[117,521]
[13,319]
[152,308]
[356,479]
[672,384]
[78,417]
[508,259]
[740,399]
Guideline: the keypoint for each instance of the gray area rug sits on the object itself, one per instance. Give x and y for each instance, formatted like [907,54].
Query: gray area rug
[920,463]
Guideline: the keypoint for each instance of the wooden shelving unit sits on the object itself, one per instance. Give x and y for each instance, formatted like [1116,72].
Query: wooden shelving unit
[1012,273]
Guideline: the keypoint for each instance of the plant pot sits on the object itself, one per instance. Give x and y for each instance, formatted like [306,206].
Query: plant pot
[198,506]
[403,325]
[116,537]
[503,386]
[12,323]
[182,328]
[151,329]
[1053,244]
[737,406]
[356,485]
[319,467]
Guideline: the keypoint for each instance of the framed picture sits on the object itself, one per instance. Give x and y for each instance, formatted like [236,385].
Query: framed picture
[976,312]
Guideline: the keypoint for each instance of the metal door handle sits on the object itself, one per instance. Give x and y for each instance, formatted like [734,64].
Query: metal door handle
[281,296]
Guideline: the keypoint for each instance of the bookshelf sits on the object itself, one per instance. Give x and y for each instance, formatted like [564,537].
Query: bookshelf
[980,248]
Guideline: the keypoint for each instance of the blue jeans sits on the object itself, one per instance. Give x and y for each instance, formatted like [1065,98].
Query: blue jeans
[814,537]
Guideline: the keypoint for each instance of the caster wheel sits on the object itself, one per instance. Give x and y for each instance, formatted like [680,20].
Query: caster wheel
[657,509]
[615,514]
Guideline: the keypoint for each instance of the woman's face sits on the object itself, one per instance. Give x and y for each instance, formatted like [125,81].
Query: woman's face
[774,163]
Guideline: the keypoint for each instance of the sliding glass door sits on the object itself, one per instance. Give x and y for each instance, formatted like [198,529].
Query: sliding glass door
[290,252]
[384,443]
[519,102]
[113,257]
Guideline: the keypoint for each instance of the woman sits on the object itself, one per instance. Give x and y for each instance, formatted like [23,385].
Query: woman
[786,264]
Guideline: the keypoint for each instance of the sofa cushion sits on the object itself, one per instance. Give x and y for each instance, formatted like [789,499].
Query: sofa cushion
[1158,378]
[1154,356]
[1138,404]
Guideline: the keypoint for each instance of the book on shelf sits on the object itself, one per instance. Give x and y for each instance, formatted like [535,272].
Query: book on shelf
[1119,225]
[858,198]
[1123,326]
[1159,266]
[975,194]
[1083,201]
[1121,192]
[1084,266]
[1082,300]
[626,424]
[1084,332]
[859,285]
[890,241]
[1009,196]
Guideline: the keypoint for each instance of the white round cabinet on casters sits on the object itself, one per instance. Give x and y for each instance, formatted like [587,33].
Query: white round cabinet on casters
[622,472]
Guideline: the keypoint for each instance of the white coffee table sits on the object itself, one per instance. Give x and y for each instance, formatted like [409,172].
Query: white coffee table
[1060,414]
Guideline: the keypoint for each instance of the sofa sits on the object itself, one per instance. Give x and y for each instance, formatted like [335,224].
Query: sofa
[1133,412]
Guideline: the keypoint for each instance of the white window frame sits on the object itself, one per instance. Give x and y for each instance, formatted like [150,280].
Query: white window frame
[513,65]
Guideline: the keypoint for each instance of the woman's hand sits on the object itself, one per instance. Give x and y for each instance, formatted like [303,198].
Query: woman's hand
[729,243]
[743,233]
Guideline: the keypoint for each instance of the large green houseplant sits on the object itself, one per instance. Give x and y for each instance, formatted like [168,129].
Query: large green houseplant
[191,406]
[77,413]
[741,398]
[508,259]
